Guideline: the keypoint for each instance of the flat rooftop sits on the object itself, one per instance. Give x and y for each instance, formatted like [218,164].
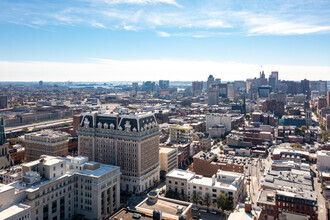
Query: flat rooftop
[181,174]
[128,215]
[267,196]
[13,210]
[207,181]
[4,188]
[165,150]
[165,205]
[48,134]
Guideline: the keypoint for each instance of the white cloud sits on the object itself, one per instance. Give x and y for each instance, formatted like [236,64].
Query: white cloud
[116,70]
[130,28]
[251,18]
[98,25]
[170,2]
[287,28]
[163,34]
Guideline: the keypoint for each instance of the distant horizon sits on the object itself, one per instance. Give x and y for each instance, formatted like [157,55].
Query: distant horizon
[135,81]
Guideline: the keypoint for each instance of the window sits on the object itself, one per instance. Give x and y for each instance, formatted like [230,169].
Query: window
[214,190]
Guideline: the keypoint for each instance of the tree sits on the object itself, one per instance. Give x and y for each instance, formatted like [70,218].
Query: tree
[304,128]
[225,202]
[25,129]
[172,195]
[296,145]
[228,203]
[195,197]
[67,124]
[207,200]
[220,201]
[297,131]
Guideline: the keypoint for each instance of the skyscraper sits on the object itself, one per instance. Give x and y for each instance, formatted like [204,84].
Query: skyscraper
[5,159]
[197,86]
[305,88]
[129,141]
[3,101]
[164,84]
[213,96]
[210,81]
[275,75]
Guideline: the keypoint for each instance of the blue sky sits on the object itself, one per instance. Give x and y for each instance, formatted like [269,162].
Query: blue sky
[163,39]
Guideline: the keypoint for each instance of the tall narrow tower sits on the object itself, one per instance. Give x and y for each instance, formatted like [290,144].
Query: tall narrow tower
[3,138]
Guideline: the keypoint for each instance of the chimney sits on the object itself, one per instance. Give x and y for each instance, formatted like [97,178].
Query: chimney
[248,206]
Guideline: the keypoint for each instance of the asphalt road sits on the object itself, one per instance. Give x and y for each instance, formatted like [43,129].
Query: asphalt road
[208,216]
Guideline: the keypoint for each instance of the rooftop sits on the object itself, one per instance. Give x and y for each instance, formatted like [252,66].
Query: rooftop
[165,205]
[48,134]
[295,182]
[128,214]
[4,188]
[12,210]
[267,196]
[181,174]
[166,150]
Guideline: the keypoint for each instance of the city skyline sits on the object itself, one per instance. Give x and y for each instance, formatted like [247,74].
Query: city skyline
[147,40]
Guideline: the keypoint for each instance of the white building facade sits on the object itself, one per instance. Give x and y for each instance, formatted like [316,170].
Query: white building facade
[61,188]
[223,182]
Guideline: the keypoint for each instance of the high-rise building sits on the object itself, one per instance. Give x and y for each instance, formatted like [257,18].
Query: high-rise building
[240,86]
[3,101]
[197,86]
[305,88]
[129,141]
[320,86]
[5,159]
[148,86]
[321,103]
[274,74]
[279,96]
[61,188]
[213,96]
[264,91]
[223,90]
[45,142]
[273,106]
[328,97]
[135,87]
[272,82]
[231,92]
[210,81]
[164,84]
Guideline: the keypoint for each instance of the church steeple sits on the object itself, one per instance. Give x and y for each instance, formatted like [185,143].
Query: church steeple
[3,138]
